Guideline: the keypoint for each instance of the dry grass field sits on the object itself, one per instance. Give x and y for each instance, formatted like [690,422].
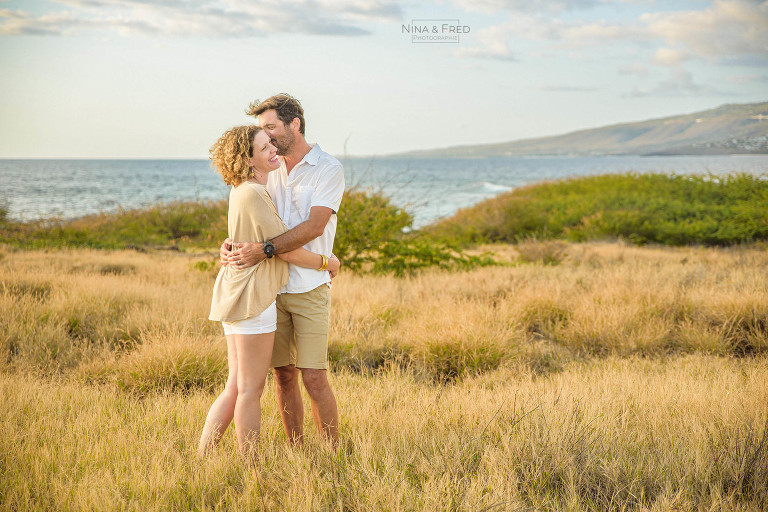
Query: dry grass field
[615,378]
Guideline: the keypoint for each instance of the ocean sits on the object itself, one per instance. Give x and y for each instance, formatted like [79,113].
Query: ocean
[429,188]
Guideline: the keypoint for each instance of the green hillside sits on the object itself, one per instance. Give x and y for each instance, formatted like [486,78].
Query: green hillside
[728,129]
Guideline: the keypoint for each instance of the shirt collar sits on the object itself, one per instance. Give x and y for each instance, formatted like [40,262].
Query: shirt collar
[313,156]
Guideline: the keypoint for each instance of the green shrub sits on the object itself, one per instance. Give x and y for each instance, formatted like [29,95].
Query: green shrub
[372,234]
[367,220]
[376,236]
[406,256]
[177,224]
[642,208]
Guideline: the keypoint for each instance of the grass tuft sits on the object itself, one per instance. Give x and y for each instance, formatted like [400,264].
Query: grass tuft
[172,365]
[547,252]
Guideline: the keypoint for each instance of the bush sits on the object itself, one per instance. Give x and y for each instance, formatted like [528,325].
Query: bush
[406,256]
[367,221]
[375,236]
[177,224]
[642,208]
[372,234]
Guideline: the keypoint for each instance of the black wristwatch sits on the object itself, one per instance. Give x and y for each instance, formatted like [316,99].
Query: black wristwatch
[269,249]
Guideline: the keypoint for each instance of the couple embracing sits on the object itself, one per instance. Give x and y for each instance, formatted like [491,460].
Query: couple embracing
[272,293]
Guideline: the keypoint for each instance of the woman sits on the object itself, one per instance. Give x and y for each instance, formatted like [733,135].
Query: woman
[244,299]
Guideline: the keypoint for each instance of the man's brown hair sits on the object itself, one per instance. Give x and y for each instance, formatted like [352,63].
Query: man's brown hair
[286,106]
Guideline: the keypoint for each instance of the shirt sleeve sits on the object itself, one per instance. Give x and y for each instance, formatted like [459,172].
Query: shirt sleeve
[330,188]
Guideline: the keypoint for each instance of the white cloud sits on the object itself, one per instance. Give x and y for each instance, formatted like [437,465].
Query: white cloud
[725,32]
[722,31]
[634,69]
[549,6]
[566,88]
[669,57]
[679,83]
[598,33]
[573,34]
[19,22]
[493,45]
[745,79]
[223,18]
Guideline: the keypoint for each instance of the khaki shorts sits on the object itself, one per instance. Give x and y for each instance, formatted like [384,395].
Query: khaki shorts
[301,338]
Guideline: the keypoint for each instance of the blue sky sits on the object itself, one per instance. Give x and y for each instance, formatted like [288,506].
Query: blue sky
[162,79]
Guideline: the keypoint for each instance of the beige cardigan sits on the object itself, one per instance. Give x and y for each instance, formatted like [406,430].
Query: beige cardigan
[241,294]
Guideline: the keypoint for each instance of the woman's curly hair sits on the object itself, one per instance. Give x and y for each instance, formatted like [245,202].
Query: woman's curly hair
[231,154]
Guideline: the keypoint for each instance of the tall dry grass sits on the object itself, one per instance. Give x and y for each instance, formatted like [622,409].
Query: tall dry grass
[106,314]
[614,434]
[81,309]
[601,299]
[611,378]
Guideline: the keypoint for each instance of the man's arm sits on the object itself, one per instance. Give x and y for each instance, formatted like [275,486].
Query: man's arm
[304,232]
[247,254]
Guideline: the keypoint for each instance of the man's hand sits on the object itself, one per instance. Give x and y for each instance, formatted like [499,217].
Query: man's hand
[246,254]
[333,266]
[224,252]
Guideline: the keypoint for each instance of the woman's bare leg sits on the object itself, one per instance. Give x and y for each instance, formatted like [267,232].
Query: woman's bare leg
[254,355]
[223,409]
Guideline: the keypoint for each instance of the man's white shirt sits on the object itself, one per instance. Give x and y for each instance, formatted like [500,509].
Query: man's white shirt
[317,180]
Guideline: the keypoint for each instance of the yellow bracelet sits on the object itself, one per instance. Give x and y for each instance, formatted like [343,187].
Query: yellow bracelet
[325,262]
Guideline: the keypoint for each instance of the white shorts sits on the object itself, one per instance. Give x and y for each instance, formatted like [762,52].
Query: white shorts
[264,323]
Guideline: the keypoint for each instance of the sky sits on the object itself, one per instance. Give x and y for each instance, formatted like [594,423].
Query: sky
[163,79]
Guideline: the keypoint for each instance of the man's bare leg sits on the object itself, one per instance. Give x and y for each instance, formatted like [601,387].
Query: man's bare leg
[289,402]
[324,409]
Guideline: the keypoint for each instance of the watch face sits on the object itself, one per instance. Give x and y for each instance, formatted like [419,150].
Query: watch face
[269,249]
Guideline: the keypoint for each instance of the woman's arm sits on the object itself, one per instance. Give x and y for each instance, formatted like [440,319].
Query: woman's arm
[304,258]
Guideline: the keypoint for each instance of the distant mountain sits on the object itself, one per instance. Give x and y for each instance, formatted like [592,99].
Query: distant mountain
[729,129]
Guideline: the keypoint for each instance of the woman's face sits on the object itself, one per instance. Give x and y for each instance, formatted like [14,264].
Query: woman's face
[264,157]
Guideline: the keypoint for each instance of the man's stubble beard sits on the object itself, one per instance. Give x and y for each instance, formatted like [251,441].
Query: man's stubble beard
[284,144]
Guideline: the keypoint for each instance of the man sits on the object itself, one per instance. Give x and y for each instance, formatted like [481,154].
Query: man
[307,191]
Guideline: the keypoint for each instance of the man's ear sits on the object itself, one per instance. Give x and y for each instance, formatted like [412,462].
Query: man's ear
[296,125]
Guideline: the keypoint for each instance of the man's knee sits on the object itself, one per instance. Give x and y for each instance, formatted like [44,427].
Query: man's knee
[315,381]
[286,376]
